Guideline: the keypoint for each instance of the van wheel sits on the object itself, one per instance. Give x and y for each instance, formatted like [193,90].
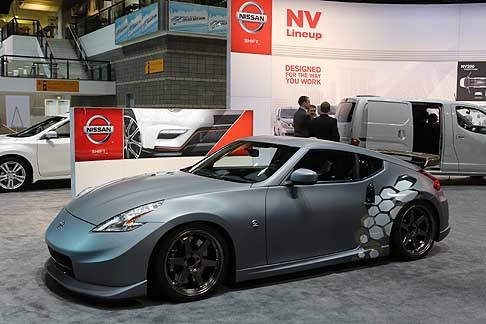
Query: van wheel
[15,174]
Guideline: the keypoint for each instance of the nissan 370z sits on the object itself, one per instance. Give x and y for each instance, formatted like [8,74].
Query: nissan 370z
[259,207]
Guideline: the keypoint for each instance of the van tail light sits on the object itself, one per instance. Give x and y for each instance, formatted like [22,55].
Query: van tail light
[355,142]
[431,177]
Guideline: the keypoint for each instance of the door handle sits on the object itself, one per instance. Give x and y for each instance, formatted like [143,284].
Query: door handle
[370,195]
[460,136]
[401,134]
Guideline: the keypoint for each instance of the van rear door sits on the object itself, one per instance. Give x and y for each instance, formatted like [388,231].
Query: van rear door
[344,117]
[389,125]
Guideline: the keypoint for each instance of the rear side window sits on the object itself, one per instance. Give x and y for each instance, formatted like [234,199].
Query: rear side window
[368,166]
[344,112]
[330,165]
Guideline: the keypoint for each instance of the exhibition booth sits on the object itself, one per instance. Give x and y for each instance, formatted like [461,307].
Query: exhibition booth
[281,50]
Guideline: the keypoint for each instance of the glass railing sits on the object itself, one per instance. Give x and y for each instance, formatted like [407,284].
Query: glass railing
[59,68]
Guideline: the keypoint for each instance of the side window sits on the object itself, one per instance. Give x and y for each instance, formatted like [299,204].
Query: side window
[368,166]
[63,131]
[471,119]
[330,165]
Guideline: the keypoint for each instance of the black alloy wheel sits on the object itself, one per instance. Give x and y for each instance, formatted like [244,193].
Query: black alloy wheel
[190,264]
[414,232]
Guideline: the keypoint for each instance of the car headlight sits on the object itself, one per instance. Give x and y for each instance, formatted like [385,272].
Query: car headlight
[127,221]
[171,133]
[287,125]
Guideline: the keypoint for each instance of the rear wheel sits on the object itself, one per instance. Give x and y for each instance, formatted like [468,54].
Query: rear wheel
[15,174]
[190,264]
[414,231]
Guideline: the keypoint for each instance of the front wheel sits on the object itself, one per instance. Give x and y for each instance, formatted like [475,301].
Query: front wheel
[414,232]
[190,264]
[15,175]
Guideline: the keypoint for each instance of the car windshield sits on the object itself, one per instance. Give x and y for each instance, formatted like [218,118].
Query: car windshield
[37,128]
[287,113]
[245,162]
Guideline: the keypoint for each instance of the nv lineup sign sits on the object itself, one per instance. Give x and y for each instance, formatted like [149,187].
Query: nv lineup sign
[471,81]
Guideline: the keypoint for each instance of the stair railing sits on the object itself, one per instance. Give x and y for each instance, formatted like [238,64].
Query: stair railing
[79,48]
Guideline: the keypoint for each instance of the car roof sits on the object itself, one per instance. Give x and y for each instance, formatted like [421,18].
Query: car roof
[439,101]
[314,143]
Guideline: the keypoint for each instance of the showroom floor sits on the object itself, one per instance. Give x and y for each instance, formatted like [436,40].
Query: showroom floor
[446,287]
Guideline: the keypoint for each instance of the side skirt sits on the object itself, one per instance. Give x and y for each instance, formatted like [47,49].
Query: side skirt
[304,264]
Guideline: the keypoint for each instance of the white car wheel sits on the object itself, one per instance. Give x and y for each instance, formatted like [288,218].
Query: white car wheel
[13,175]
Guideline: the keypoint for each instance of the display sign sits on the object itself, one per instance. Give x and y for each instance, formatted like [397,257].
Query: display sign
[98,134]
[193,18]
[17,111]
[471,81]
[133,133]
[251,27]
[136,24]
[218,20]
[154,66]
[329,51]
[188,17]
[57,85]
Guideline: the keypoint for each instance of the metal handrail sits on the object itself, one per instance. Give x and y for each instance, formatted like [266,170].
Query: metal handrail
[58,58]
[53,71]
[79,47]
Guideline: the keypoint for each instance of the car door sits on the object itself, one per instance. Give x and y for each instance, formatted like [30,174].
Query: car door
[389,125]
[469,127]
[305,221]
[53,155]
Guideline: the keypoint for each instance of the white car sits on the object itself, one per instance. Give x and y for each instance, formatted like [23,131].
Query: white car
[41,152]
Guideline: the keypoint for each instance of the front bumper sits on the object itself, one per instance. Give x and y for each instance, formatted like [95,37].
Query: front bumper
[103,265]
[97,291]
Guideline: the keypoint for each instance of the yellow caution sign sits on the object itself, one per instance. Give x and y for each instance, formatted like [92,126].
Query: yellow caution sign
[154,66]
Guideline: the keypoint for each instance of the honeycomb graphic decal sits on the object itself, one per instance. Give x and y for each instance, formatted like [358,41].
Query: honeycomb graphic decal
[377,223]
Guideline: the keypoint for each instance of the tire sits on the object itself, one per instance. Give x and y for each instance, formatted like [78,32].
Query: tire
[132,138]
[414,232]
[15,174]
[189,264]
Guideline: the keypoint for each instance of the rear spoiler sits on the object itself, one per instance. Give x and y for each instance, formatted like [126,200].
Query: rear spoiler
[423,160]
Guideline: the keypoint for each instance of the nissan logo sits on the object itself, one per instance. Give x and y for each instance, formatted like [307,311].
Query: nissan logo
[60,226]
[257,20]
[98,129]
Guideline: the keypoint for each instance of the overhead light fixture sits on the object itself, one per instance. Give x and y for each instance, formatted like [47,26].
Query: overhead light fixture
[39,6]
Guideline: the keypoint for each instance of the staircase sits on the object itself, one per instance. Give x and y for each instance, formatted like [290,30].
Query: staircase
[63,49]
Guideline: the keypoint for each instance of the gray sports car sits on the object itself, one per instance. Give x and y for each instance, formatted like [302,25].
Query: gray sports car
[259,207]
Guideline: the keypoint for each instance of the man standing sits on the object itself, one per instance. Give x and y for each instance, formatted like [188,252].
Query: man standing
[302,119]
[325,127]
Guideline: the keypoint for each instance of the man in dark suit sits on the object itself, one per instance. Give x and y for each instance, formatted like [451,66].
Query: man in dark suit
[302,119]
[325,127]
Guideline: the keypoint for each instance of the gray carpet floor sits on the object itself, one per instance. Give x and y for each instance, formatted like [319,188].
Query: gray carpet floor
[449,286]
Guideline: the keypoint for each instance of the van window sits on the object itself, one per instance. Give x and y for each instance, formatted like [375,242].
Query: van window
[471,119]
[330,165]
[344,112]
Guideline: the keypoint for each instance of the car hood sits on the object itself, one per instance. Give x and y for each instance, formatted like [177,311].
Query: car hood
[114,198]
[4,139]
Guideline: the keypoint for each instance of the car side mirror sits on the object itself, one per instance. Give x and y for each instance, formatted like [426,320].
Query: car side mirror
[303,177]
[51,135]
